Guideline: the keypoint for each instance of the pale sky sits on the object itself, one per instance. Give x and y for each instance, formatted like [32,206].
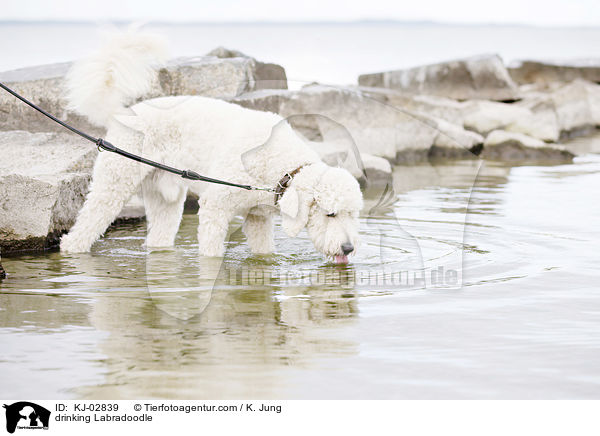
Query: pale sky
[536,12]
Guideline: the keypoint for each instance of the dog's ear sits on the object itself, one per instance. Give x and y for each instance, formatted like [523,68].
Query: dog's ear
[260,161]
[294,208]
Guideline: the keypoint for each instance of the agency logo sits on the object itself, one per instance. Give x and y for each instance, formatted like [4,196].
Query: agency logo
[26,415]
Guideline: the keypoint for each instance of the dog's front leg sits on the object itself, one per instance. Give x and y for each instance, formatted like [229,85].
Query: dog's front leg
[163,211]
[212,231]
[258,229]
[115,180]
[217,208]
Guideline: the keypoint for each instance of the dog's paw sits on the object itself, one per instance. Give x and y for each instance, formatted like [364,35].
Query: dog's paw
[263,249]
[71,244]
[212,251]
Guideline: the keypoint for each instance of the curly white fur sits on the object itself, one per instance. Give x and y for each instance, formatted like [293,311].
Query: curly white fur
[110,79]
[219,140]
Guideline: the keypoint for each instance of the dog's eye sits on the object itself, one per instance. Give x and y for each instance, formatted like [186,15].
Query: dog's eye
[332,215]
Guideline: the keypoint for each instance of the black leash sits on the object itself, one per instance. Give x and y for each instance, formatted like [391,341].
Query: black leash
[105,145]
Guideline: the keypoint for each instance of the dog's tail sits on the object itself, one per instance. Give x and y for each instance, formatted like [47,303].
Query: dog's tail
[113,77]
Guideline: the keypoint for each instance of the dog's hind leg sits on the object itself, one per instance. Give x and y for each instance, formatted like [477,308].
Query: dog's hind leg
[258,229]
[164,197]
[114,181]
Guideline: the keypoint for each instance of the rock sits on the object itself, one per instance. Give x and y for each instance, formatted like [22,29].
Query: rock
[549,72]
[370,170]
[134,210]
[510,146]
[269,76]
[542,124]
[454,142]
[593,98]
[422,137]
[563,111]
[573,109]
[217,77]
[499,137]
[414,138]
[324,113]
[584,145]
[338,149]
[549,113]
[43,85]
[483,116]
[439,107]
[377,169]
[480,116]
[226,53]
[210,76]
[266,76]
[263,100]
[480,77]
[44,178]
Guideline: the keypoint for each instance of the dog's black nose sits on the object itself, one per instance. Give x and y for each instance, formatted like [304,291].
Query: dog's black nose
[347,248]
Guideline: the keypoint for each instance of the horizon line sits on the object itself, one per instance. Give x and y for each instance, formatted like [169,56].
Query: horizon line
[302,22]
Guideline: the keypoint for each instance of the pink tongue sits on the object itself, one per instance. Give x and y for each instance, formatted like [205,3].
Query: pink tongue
[341,259]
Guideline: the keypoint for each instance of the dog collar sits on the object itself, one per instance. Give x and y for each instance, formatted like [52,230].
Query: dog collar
[284,182]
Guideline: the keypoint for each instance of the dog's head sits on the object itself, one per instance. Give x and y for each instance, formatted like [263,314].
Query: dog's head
[327,202]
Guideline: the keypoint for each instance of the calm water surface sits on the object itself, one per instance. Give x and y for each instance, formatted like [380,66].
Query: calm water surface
[517,317]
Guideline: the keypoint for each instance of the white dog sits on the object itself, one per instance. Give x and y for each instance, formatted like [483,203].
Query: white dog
[214,138]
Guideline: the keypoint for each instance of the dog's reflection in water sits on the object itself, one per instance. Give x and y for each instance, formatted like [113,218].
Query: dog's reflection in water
[182,283]
[216,336]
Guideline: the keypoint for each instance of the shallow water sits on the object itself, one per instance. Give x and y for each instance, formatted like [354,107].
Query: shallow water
[497,298]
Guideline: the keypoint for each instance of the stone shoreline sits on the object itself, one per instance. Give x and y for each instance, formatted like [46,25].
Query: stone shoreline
[452,110]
